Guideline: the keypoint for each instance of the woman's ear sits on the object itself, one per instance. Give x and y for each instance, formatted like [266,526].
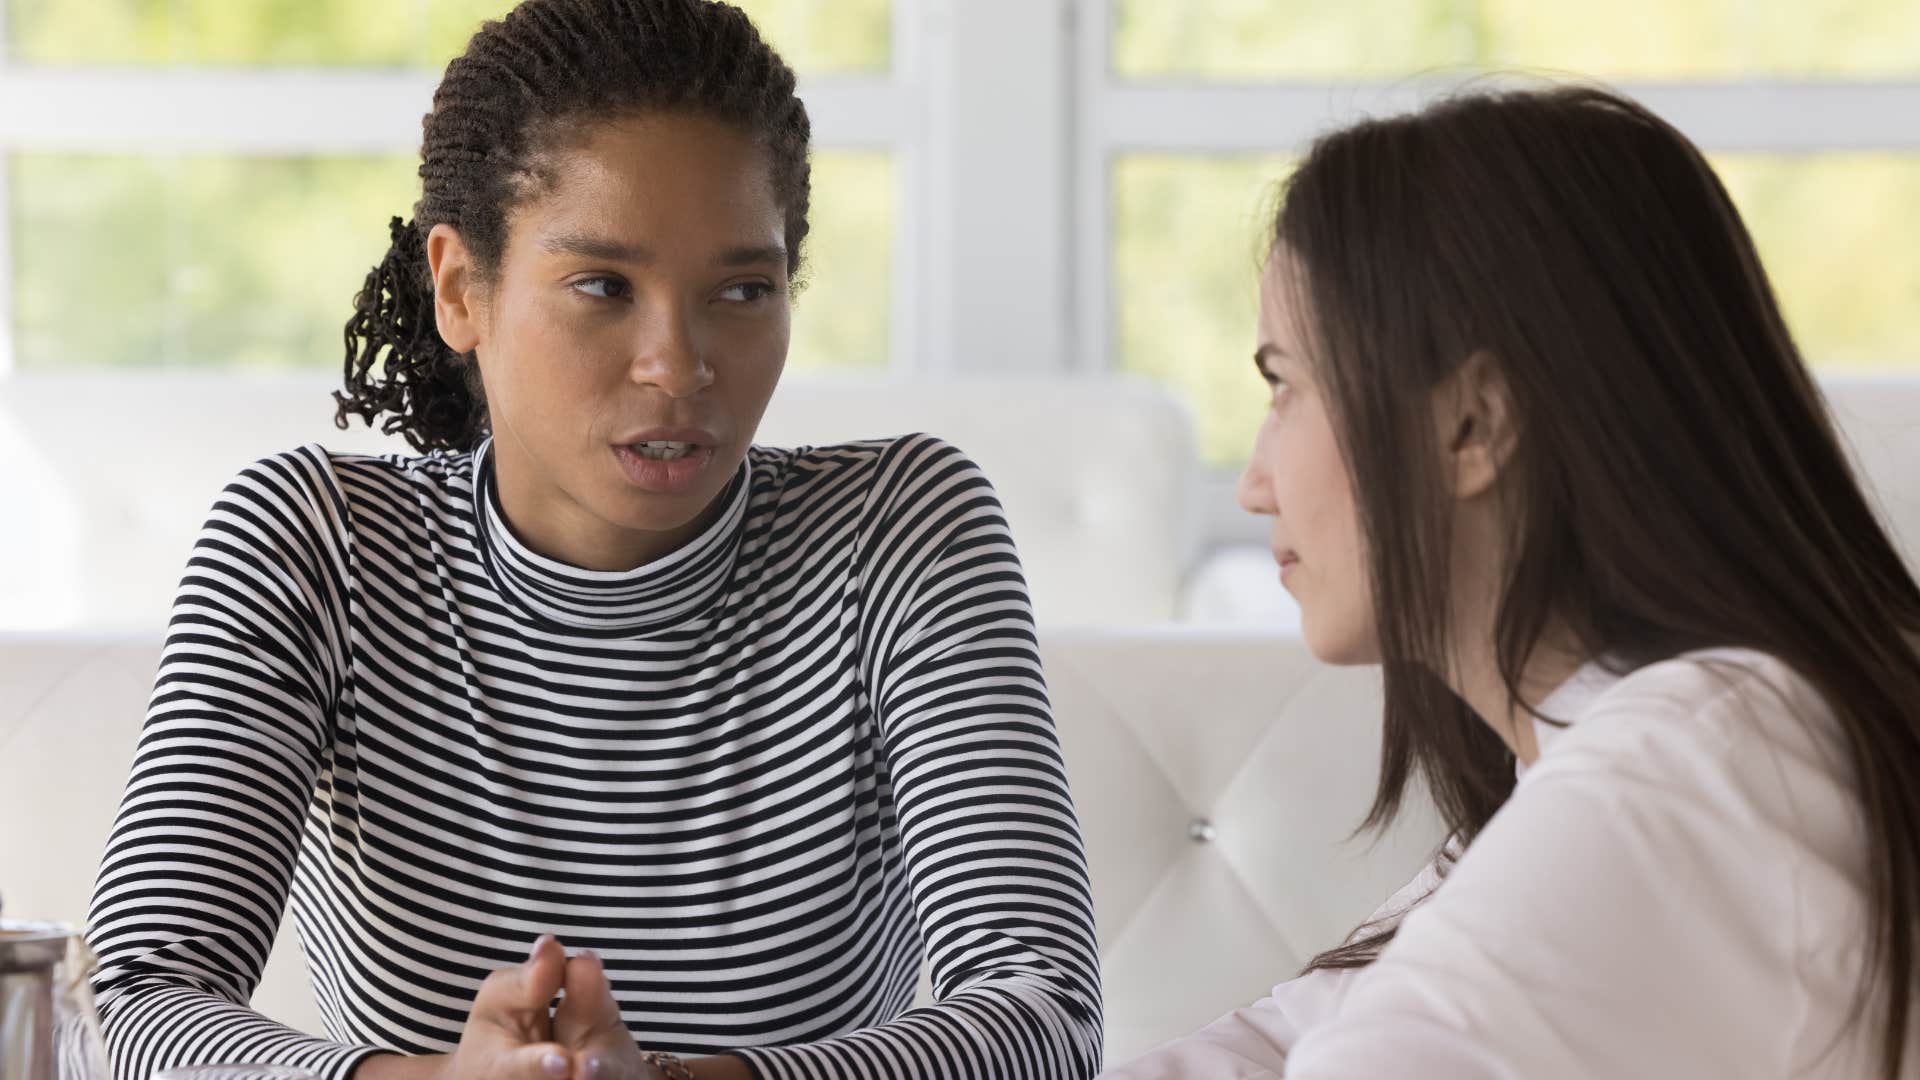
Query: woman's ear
[457,301]
[1474,416]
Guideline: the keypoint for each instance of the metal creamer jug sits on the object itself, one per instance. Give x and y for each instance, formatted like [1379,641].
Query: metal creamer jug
[48,1028]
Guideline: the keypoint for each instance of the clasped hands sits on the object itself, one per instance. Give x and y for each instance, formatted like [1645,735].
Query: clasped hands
[515,1033]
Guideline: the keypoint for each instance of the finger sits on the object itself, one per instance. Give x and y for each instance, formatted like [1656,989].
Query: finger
[545,969]
[589,1008]
[526,988]
[539,1061]
[596,1065]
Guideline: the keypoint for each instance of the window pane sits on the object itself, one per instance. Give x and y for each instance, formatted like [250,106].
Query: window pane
[195,261]
[1189,236]
[1840,237]
[813,35]
[222,261]
[843,314]
[1838,234]
[1282,39]
[840,36]
[1629,39]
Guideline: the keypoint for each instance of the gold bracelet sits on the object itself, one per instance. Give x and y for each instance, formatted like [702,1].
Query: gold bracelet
[673,1067]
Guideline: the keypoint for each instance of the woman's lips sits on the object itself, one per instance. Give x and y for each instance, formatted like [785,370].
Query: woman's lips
[662,477]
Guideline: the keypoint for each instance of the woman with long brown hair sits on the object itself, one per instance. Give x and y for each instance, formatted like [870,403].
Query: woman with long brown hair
[1542,448]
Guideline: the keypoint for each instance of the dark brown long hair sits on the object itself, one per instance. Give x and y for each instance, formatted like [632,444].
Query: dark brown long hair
[1677,484]
[542,73]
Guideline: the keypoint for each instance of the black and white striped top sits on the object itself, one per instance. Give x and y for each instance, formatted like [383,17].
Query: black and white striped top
[759,776]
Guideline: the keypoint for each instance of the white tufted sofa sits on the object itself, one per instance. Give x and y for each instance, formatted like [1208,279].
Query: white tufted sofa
[1236,737]
[1216,778]
[111,475]
[107,476]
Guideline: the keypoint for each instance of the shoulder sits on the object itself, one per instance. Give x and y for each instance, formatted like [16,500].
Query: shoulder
[317,472]
[319,492]
[889,455]
[1699,706]
[1731,744]
[883,471]
[1711,682]
[1678,826]
[297,484]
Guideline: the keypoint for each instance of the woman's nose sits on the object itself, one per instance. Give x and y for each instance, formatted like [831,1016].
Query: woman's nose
[669,356]
[1254,491]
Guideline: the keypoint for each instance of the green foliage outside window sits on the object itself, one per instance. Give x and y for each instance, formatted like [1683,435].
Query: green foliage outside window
[1838,233]
[816,36]
[227,260]
[224,261]
[1313,40]
[252,262]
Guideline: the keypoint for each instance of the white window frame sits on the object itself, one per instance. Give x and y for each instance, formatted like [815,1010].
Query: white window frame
[1117,116]
[981,250]
[6,218]
[1005,119]
[321,111]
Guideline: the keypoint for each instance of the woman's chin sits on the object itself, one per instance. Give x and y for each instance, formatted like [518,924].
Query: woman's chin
[650,512]
[1338,645]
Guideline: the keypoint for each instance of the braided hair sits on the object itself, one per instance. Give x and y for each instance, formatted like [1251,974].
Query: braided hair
[525,83]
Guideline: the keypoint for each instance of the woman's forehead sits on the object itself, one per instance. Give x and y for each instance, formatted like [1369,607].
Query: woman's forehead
[1280,296]
[683,158]
[660,182]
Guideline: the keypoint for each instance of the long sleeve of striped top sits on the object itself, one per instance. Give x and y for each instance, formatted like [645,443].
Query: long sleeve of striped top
[764,777]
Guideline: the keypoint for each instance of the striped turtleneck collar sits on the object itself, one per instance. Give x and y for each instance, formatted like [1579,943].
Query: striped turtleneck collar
[668,590]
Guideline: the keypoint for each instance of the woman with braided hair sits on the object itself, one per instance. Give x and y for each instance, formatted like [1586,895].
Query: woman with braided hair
[733,737]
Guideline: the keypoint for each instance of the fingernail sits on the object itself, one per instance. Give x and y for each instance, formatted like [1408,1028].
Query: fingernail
[537,944]
[556,1065]
[596,1067]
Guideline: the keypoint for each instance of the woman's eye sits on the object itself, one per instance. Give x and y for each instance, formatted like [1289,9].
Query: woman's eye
[746,292]
[604,288]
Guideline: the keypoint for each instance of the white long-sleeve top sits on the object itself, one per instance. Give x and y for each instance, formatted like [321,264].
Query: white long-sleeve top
[1678,887]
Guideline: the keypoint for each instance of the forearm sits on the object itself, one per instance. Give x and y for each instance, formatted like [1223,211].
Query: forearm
[428,1067]
[1000,1031]
[152,1027]
[400,1067]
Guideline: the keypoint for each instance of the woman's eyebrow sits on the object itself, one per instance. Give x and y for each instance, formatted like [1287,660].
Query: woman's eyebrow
[598,247]
[753,255]
[595,247]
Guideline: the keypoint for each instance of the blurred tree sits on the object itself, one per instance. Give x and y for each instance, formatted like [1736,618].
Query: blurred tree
[1189,239]
[1627,39]
[1840,237]
[1839,232]
[814,35]
[227,260]
[253,262]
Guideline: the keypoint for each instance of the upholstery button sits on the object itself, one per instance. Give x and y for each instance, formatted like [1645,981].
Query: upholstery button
[1200,831]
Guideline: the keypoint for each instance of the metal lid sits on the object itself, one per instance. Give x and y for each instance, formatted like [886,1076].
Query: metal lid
[32,946]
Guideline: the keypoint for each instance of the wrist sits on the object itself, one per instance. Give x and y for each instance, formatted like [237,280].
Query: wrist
[720,1067]
[662,1066]
[399,1067]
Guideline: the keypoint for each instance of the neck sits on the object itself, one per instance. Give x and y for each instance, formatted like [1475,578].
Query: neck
[549,521]
[1477,584]
[1476,679]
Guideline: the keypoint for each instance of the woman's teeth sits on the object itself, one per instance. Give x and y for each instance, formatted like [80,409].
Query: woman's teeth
[663,451]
